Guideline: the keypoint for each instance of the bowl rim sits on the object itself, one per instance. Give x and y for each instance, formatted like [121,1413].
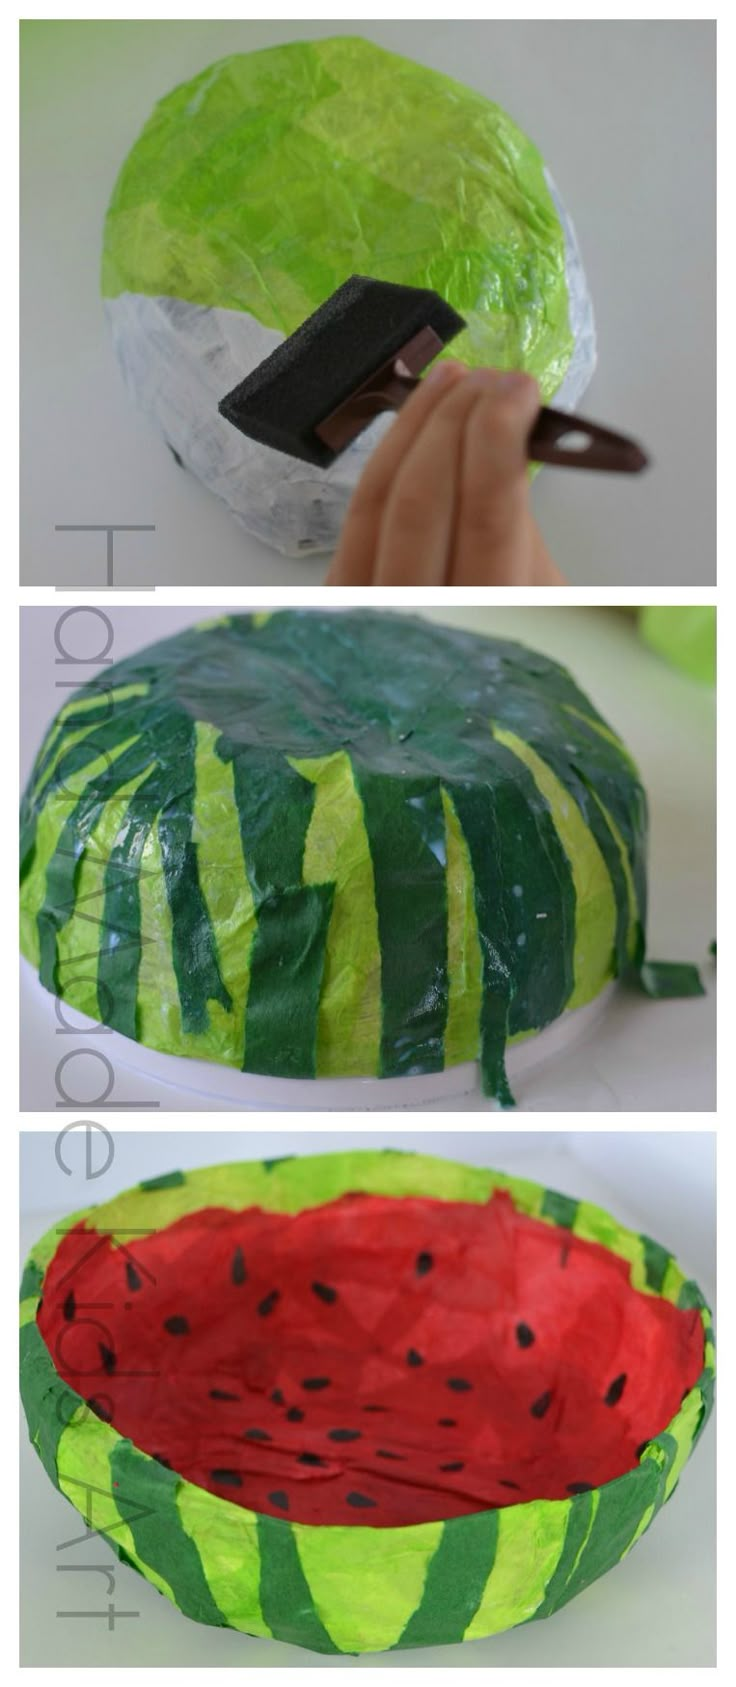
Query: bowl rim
[399,1173]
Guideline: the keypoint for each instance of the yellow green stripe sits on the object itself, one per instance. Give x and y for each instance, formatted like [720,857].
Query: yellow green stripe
[631,935]
[226,1538]
[360,1604]
[336,851]
[530,1540]
[464,959]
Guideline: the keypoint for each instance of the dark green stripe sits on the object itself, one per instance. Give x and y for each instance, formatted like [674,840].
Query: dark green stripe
[706,1385]
[47,1401]
[286,1600]
[145,1495]
[621,1506]
[578,1523]
[31,1280]
[63,869]
[667,980]
[656,1261]
[560,1208]
[167,1180]
[405,825]
[535,885]
[280,1023]
[287,957]
[455,1583]
[690,1295]
[476,812]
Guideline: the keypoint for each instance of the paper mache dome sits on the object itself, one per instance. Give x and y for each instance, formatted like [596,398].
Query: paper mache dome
[256,189]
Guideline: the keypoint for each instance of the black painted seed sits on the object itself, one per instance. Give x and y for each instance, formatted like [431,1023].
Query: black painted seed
[614,1392]
[541,1405]
[641,1448]
[325,1293]
[222,1394]
[294,1415]
[311,1458]
[447,1423]
[504,1482]
[564,1254]
[277,1397]
[459,1385]
[257,1435]
[228,1478]
[109,1359]
[458,1465]
[579,1487]
[70,1306]
[268,1303]
[100,1411]
[177,1326]
[280,1499]
[359,1499]
[414,1358]
[375,1408]
[343,1435]
[238,1272]
[524,1335]
[159,1457]
[132,1278]
[315,1383]
[423,1264]
[384,1453]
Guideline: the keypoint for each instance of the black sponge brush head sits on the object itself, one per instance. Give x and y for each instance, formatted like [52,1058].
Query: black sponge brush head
[342,359]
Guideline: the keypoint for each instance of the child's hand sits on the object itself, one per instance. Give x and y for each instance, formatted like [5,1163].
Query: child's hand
[444,500]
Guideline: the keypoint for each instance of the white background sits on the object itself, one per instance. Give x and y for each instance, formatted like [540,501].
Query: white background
[656,1608]
[639,1054]
[623,113]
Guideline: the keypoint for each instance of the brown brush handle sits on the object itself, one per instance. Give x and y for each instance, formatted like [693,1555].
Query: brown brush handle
[390,386]
[591,446]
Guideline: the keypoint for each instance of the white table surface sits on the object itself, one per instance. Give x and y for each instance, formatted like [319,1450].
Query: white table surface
[655,1609]
[639,1054]
[623,113]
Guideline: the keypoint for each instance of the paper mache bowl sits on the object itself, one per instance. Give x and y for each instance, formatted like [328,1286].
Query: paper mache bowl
[257,188]
[364,1400]
[335,845]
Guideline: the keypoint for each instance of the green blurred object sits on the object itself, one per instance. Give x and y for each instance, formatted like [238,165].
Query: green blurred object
[686,637]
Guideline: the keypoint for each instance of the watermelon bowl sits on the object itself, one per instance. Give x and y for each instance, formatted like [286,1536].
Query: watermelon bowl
[315,849]
[364,1400]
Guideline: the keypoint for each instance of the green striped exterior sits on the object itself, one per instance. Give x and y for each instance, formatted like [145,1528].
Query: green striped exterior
[225,197]
[317,846]
[350,1589]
